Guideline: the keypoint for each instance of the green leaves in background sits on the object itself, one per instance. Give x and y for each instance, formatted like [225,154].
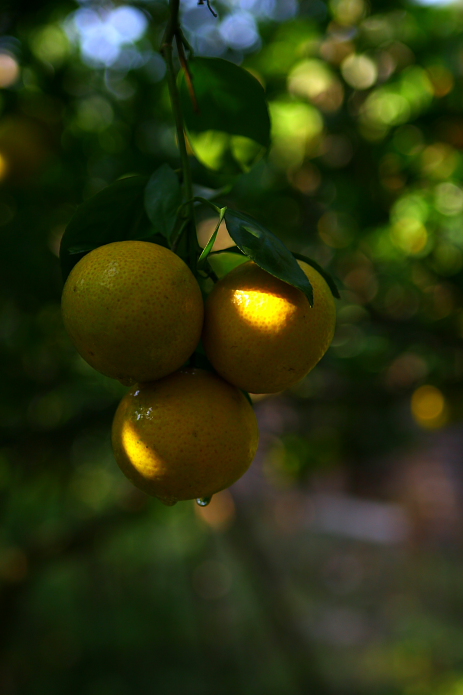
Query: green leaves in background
[163,197]
[230,129]
[266,249]
[114,214]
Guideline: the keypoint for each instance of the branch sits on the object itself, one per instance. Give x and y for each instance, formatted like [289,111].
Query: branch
[173,31]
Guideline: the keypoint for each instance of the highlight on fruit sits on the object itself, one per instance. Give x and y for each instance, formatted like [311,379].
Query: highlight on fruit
[184,437]
[261,334]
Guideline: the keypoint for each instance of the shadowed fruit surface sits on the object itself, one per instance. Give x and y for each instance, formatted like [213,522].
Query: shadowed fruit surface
[261,334]
[186,436]
[133,310]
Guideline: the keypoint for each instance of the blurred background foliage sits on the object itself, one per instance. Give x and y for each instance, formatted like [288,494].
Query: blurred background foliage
[334,565]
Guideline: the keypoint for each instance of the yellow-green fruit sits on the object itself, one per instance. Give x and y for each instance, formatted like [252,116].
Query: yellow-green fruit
[133,310]
[261,334]
[186,436]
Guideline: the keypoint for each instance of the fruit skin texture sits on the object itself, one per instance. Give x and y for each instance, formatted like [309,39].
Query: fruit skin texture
[134,310]
[186,436]
[261,334]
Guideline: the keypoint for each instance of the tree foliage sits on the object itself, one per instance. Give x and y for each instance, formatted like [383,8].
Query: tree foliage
[364,174]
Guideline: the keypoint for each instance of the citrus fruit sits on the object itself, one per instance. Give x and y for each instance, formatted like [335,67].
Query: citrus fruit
[186,436]
[133,310]
[261,334]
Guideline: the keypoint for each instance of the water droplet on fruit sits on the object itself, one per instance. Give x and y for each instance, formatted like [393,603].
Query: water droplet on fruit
[203,501]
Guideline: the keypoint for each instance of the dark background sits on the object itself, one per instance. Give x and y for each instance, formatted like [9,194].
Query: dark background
[335,564]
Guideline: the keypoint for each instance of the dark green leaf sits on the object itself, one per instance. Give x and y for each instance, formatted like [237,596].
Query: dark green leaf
[114,214]
[327,277]
[163,197]
[159,239]
[210,193]
[82,248]
[230,129]
[248,397]
[266,249]
[204,176]
[230,249]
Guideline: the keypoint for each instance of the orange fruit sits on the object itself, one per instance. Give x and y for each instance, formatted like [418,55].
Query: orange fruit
[261,334]
[133,310]
[186,436]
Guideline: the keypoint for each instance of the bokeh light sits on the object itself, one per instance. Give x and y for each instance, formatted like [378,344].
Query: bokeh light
[239,31]
[359,71]
[9,70]
[51,44]
[314,81]
[429,407]
[219,513]
[102,33]
[296,128]
[3,166]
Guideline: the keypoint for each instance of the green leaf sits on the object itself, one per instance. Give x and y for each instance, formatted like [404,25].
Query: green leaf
[222,263]
[230,130]
[327,277]
[206,250]
[202,260]
[114,214]
[266,249]
[163,197]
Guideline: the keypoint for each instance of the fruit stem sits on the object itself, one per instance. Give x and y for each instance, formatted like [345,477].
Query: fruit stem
[171,32]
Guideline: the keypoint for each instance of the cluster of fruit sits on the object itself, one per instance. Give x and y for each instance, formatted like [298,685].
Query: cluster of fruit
[135,312]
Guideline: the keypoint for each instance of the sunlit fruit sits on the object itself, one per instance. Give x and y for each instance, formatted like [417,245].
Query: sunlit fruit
[261,334]
[186,436]
[133,310]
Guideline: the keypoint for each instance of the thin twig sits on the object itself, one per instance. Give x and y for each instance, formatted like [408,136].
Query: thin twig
[208,3]
[188,75]
[185,41]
